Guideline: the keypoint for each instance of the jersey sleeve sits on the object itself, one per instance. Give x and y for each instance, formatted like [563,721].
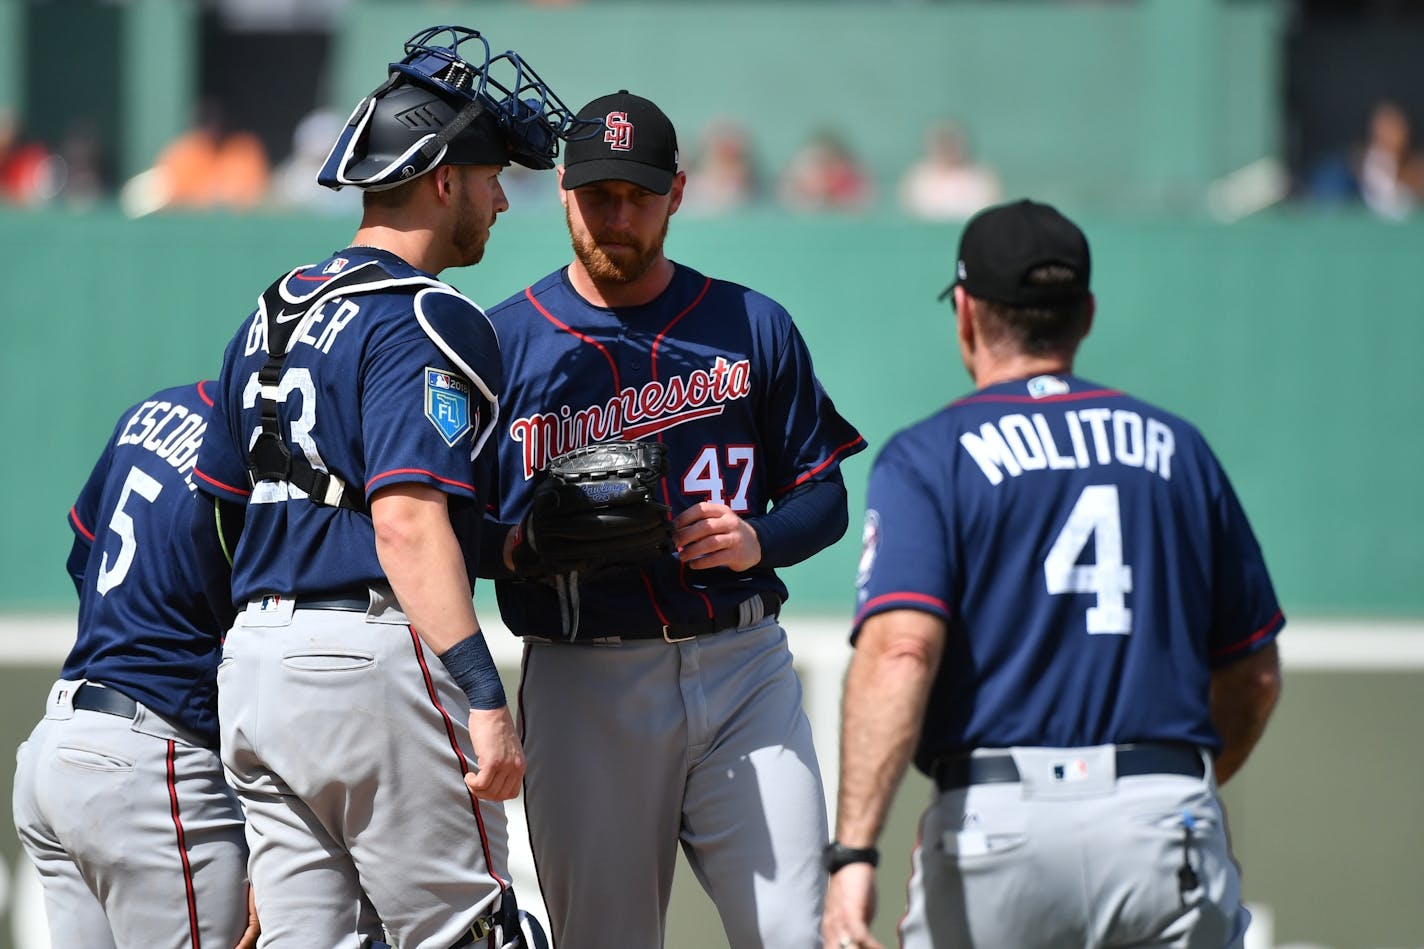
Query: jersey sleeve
[429,403]
[906,559]
[84,514]
[817,438]
[221,470]
[1245,614]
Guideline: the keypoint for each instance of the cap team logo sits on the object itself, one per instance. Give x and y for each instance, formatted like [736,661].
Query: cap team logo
[620,132]
[447,404]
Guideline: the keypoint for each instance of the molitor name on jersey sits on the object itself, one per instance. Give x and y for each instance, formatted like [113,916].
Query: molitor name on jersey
[633,413]
[1017,443]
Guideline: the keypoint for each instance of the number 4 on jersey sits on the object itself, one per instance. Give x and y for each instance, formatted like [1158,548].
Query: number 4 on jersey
[1096,516]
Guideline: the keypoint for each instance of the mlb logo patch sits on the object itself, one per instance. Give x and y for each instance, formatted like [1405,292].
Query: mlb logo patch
[337,265]
[270,603]
[1040,386]
[1068,772]
[447,404]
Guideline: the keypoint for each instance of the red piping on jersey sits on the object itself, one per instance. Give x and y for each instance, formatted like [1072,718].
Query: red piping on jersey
[218,484]
[319,278]
[663,424]
[940,606]
[1271,626]
[203,393]
[652,600]
[193,933]
[834,456]
[653,361]
[1065,397]
[399,471]
[417,644]
[613,366]
[74,519]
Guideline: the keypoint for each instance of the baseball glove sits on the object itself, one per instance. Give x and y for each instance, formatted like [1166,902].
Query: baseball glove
[594,508]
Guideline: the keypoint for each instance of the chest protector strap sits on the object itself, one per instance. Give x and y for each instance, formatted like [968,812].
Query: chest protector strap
[270,458]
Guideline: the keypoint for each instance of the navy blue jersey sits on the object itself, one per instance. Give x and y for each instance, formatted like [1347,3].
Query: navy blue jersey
[146,624]
[1088,554]
[394,380]
[716,372]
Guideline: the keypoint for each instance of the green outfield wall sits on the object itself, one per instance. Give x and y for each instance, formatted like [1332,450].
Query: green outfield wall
[1117,105]
[1292,340]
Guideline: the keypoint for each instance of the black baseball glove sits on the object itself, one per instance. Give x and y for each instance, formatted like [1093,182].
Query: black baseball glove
[593,508]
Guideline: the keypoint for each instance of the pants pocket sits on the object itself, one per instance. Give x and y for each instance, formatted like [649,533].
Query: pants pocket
[90,759]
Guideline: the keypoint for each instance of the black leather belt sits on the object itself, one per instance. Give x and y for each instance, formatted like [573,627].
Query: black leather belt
[96,698]
[1149,757]
[728,616]
[355,600]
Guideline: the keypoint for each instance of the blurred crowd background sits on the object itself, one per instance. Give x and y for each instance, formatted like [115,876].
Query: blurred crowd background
[157,105]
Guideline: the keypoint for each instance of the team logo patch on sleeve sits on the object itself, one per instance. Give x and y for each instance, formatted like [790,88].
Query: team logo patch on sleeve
[447,404]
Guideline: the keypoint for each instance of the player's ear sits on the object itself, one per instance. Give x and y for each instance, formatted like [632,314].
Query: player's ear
[964,321]
[679,182]
[442,176]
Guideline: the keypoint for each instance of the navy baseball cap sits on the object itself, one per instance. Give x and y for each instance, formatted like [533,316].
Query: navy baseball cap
[1003,244]
[638,144]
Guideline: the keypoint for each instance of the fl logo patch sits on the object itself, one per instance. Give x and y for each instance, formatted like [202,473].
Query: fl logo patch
[448,404]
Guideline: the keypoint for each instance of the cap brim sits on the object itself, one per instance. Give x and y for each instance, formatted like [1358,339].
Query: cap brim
[656,180]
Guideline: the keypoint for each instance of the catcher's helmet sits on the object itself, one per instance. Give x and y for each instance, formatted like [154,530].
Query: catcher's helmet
[442,105]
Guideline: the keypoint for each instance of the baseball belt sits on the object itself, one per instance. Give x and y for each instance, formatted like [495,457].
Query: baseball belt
[747,612]
[92,697]
[1133,759]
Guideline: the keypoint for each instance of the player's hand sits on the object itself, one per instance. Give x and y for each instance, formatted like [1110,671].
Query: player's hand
[850,906]
[712,535]
[499,756]
[254,928]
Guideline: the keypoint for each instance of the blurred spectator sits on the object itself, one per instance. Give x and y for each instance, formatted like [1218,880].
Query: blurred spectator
[208,166]
[721,175]
[29,173]
[85,180]
[1391,171]
[944,184]
[825,175]
[294,184]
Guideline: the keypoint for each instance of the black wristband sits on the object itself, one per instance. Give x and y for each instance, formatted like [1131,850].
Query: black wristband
[837,855]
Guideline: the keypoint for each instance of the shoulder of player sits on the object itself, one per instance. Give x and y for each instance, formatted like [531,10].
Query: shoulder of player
[525,298]
[758,306]
[462,331]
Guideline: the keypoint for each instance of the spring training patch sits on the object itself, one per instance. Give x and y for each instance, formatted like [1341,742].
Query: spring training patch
[447,404]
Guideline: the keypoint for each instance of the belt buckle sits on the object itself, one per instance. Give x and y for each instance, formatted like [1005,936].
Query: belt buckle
[676,639]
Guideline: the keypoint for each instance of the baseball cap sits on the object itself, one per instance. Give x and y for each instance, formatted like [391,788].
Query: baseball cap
[1001,245]
[638,144]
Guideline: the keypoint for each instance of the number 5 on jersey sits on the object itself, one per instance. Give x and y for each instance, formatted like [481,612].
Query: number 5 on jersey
[111,574]
[1095,516]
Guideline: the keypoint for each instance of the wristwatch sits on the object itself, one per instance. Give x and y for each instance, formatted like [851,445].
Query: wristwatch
[837,855]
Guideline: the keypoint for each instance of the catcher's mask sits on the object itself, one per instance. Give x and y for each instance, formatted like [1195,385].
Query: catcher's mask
[445,105]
